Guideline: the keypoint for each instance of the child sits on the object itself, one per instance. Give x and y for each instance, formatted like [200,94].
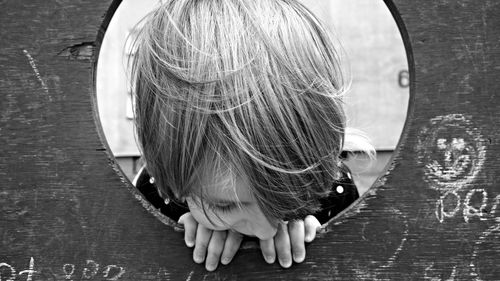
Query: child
[239,115]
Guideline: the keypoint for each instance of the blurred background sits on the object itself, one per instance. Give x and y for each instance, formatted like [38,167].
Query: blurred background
[376,104]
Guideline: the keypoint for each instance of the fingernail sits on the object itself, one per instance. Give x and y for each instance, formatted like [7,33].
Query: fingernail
[211,267]
[269,259]
[198,259]
[285,263]
[225,260]
[298,258]
[190,243]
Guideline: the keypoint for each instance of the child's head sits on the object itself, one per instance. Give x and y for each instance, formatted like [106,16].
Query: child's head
[239,98]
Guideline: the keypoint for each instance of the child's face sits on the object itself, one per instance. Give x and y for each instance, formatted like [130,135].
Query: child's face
[223,210]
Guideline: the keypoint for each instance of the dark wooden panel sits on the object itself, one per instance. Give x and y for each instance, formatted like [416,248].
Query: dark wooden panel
[65,213]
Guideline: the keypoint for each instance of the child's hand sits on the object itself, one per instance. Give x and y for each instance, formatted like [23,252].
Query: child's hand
[290,241]
[210,245]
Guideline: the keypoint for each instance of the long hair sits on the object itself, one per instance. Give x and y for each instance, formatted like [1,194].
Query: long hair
[254,85]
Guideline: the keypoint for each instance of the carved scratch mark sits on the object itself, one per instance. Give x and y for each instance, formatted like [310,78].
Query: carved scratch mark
[190,275]
[30,271]
[37,73]
[115,275]
[395,255]
[468,52]
[429,274]
[363,232]
[494,209]
[484,237]
[475,49]
[441,213]
[452,152]
[11,269]
[470,211]
[453,274]
[90,270]
[68,269]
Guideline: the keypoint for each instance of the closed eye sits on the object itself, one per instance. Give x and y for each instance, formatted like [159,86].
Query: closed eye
[224,208]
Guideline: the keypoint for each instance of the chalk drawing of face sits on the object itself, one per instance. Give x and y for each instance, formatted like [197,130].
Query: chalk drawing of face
[451,151]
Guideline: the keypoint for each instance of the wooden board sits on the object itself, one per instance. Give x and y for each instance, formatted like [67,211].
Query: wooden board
[66,212]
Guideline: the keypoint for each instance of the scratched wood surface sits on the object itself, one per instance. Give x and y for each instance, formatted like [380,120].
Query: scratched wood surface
[66,213]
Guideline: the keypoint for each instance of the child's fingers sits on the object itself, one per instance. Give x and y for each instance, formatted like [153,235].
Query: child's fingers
[282,245]
[268,250]
[215,247]
[203,235]
[190,226]
[311,225]
[296,233]
[231,246]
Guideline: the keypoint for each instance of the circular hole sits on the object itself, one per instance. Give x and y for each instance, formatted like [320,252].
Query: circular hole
[376,103]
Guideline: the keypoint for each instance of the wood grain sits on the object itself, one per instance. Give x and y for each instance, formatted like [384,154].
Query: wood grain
[67,213]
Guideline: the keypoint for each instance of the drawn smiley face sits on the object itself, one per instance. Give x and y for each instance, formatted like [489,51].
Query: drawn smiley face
[451,151]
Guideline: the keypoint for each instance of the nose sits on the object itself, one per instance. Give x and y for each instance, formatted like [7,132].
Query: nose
[266,233]
[263,232]
[242,227]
